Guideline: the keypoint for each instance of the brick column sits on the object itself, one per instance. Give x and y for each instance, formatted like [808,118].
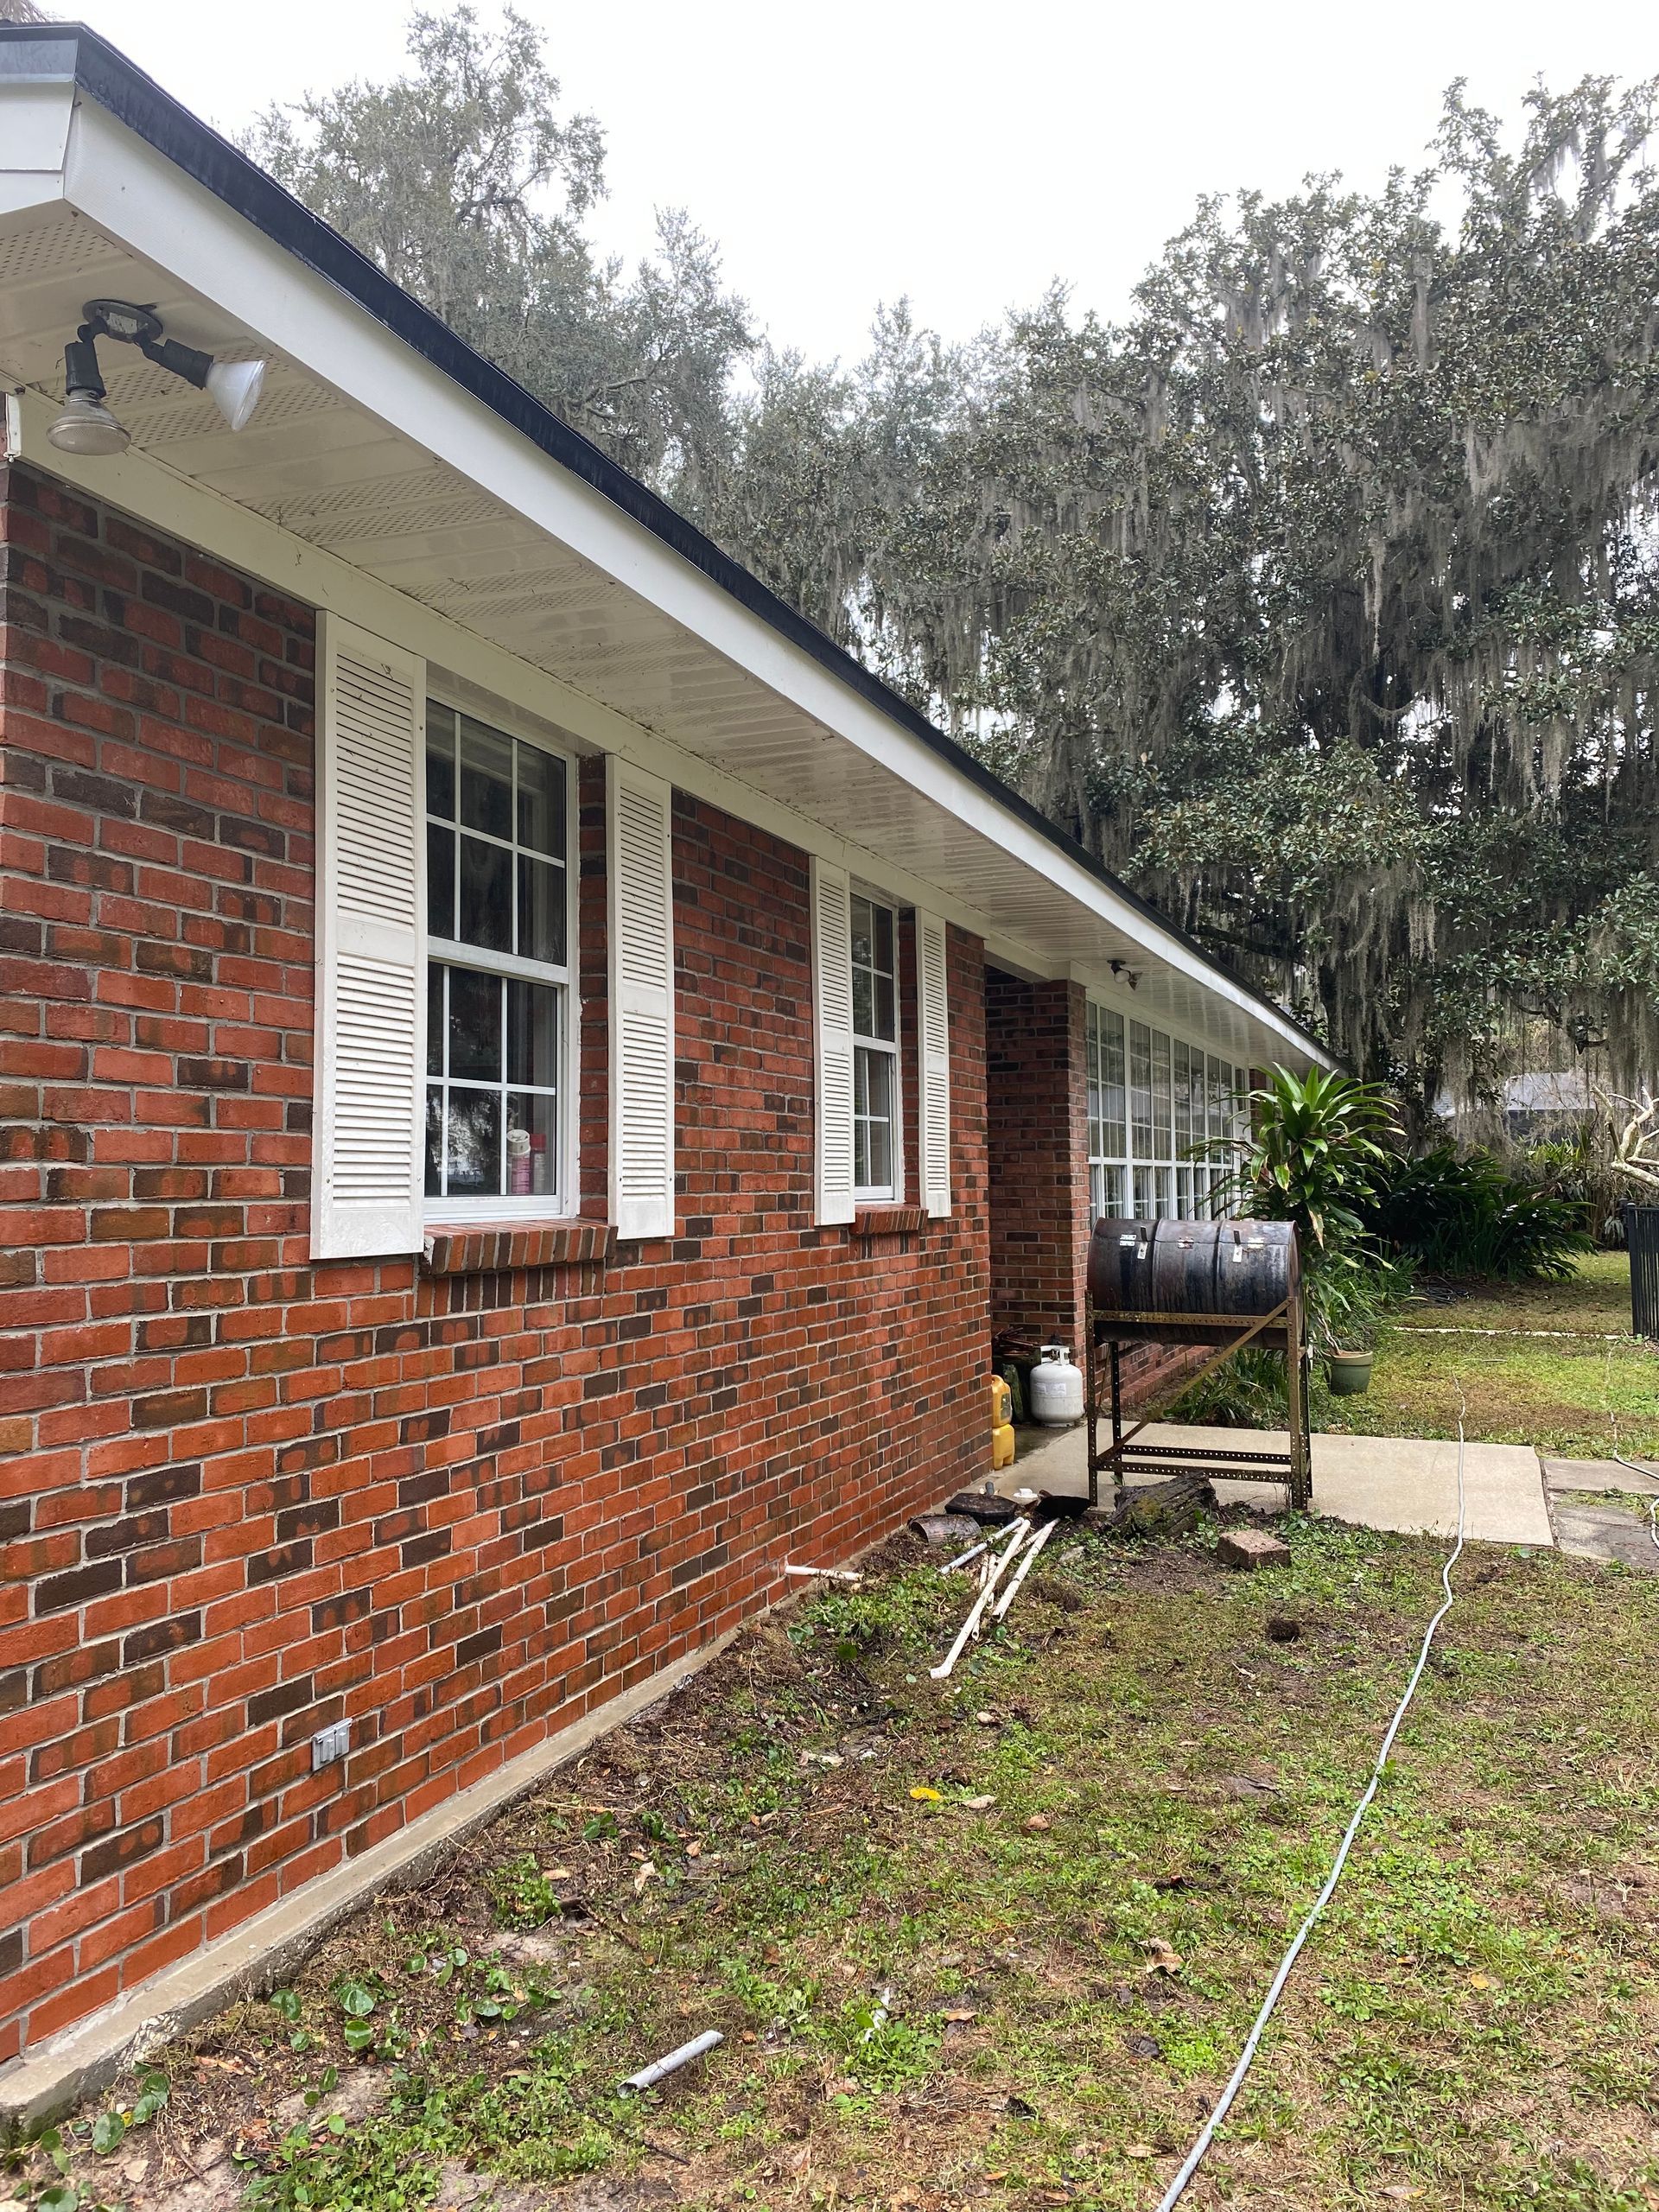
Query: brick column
[1039,1155]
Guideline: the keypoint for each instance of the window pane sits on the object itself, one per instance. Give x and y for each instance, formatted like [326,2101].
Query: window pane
[886,1017]
[1145,1202]
[1140,1090]
[863,1003]
[1111,1204]
[435,976]
[474,1025]
[485,780]
[440,880]
[1217,1098]
[873,1168]
[541,801]
[863,933]
[1181,1060]
[1162,1128]
[486,896]
[473,1153]
[439,761]
[533,1150]
[880,1098]
[533,1034]
[541,910]
[434,1142]
[1111,1085]
[883,918]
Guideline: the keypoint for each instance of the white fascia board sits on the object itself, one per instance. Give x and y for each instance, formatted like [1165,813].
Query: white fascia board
[37,116]
[134,195]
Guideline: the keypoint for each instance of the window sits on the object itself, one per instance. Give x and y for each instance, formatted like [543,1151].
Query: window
[498,977]
[875,1049]
[1157,1159]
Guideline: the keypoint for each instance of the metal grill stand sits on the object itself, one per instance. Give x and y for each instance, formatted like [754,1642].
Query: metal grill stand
[1283,1329]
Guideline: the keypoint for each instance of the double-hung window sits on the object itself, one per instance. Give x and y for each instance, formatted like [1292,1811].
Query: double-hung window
[497,970]
[876,1159]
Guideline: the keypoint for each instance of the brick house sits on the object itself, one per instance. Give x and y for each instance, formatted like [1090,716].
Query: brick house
[527,1077]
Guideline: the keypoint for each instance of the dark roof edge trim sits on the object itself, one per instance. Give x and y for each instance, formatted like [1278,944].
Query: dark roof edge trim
[104,74]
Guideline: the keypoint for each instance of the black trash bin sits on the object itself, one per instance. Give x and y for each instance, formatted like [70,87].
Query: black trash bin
[1641,1235]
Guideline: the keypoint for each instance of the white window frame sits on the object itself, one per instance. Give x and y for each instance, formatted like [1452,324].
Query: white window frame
[877,1194]
[563,1202]
[1154,1181]
[1108,1160]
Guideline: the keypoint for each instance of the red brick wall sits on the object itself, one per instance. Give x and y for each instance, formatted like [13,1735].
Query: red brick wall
[240,1496]
[1037,1134]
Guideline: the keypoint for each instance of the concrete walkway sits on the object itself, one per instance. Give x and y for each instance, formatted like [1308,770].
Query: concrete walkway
[1405,1484]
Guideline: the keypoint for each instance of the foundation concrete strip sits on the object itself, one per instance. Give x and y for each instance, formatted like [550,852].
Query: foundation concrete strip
[265,1950]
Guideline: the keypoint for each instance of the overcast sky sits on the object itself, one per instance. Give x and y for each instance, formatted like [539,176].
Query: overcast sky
[965,154]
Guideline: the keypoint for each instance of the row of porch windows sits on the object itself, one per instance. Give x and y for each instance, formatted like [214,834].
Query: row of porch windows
[1166,1120]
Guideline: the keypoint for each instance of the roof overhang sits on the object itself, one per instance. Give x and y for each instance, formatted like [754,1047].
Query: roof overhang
[393,475]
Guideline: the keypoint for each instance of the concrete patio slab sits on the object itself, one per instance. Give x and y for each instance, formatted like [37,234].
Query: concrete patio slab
[1409,1485]
[1597,1474]
[1592,1531]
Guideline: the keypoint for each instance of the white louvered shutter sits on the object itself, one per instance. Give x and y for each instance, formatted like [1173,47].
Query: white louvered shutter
[371,1016]
[832,997]
[934,1024]
[640,874]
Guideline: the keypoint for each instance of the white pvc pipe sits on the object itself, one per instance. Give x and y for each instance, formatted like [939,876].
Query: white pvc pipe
[970,1628]
[962,1558]
[649,2076]
[1031,1550]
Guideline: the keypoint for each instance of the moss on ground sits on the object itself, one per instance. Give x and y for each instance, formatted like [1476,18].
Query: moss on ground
[1023,1987]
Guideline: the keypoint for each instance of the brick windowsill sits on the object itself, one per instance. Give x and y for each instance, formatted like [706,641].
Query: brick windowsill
[888,1221]
[487,1247]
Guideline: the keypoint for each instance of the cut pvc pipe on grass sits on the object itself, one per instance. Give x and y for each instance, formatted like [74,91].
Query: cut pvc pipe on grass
[962,1558]
[1030,1553]
[970,1628]
[828,1573]
[659,2070]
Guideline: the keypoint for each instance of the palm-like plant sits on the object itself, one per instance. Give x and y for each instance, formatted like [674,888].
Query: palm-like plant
[1322,1144]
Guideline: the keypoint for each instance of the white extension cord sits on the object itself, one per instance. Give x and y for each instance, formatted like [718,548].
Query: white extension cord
[1173,2194]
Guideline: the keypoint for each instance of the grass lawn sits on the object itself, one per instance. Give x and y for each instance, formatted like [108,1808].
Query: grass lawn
[1553,1391]
[996,1942]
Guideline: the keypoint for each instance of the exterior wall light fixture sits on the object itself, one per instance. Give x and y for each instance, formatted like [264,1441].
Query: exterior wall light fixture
[86,424]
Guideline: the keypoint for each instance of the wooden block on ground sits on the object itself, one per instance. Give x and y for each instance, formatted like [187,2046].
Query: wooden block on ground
[1251,1547]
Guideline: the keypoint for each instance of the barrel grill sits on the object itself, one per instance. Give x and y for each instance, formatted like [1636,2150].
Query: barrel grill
[1221,1283]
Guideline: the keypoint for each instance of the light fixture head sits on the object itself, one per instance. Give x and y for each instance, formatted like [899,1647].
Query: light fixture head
[84,424]
[234,388]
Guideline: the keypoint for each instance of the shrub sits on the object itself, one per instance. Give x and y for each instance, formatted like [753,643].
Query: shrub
[1463,1215]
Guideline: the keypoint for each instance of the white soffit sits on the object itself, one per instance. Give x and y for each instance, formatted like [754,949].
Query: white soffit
[366,451]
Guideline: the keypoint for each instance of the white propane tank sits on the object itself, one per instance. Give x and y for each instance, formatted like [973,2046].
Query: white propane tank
[1056,1388]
